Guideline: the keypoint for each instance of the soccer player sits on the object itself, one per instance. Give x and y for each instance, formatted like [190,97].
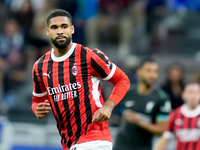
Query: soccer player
[145,110]
[66,80]
[184,122]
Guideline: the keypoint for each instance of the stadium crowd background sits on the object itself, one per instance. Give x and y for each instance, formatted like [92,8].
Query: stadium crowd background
[126,30]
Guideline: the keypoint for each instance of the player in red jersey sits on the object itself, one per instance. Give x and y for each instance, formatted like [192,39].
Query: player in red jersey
[66,80]
[184,122]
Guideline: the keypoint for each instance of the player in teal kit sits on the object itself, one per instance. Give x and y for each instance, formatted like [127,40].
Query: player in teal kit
[145,110]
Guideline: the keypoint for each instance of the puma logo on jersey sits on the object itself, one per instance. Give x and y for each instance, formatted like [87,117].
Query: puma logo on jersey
[48,75]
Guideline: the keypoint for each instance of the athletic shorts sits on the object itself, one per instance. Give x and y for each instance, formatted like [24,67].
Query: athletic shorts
[93,145]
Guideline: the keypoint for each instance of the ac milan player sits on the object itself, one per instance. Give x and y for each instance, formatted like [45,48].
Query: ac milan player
[184,122]
[66,81]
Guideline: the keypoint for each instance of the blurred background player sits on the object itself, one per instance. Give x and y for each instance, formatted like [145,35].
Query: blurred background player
[145,110]
[184,122]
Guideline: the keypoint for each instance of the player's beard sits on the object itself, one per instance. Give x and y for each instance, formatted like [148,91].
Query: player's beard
[61,45]
[148,85]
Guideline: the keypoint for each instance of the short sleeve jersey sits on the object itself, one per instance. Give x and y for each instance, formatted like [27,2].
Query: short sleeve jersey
[71,83]
[185,125]
[151,107]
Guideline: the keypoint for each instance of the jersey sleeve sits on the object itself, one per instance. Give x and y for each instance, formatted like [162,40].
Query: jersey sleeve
[103,68]
[170,126]
[39,90]
[101,65]
[121,85]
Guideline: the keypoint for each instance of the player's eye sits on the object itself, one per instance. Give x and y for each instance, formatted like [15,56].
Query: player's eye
[64,26]
[54,27]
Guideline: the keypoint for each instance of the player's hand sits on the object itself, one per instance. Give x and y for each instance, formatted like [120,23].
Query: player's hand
[131,116]
[43,109]
[104,112]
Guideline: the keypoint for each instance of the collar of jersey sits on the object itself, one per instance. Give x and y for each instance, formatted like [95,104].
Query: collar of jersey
[62,58]
[190,113]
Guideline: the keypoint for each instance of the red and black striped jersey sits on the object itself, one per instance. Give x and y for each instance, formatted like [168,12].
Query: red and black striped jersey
[72,84]
[185,125]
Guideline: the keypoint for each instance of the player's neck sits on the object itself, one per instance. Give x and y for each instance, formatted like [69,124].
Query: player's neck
[61,52]
[144,89]
[191,107]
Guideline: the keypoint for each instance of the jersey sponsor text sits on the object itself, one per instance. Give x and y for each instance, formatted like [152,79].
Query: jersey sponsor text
[186,135]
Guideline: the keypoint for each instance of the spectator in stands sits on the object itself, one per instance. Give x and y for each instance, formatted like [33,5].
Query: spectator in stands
[13,56]
[83,20]
[3,15]
[11,44]
[174,84]
[110,12]
[191,5]
[24,17]
[83,12]
[38,39]
[68,5]
[155,15]
[132,29]
[39,26]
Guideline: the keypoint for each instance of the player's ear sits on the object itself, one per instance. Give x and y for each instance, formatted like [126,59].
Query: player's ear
[138,72]
[47,29]
[72,29]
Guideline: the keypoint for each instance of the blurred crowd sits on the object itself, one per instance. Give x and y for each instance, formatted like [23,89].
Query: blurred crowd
[128,29]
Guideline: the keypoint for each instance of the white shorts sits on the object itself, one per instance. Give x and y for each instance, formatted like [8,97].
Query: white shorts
[93,145]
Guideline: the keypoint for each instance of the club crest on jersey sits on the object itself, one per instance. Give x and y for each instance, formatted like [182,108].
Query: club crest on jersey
[178,122]
[74,70]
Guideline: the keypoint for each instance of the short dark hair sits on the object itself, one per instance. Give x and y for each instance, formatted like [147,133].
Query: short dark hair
[57,13]
[145,60]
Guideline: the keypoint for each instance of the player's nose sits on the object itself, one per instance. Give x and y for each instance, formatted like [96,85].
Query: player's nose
[60,31]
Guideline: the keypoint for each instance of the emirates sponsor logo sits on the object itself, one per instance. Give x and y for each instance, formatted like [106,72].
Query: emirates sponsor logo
[187,135]
[74,70]
[64,92]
